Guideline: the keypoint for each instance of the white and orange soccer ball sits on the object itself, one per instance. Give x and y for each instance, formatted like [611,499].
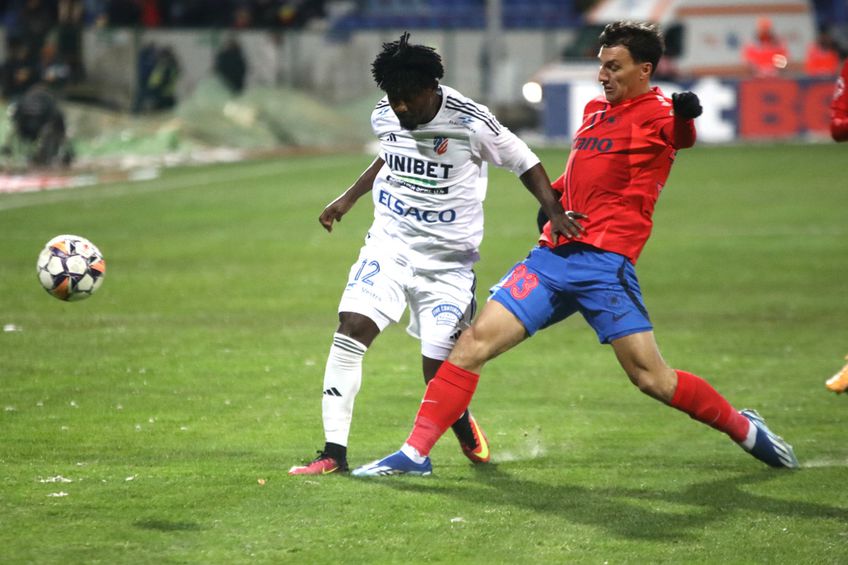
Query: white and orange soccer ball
[70,267]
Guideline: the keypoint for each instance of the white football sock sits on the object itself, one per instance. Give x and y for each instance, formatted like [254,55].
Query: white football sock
[342,378]
[749,441]
[413,453]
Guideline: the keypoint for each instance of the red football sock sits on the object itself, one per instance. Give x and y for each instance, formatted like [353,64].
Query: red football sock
[702,402]
[448,395]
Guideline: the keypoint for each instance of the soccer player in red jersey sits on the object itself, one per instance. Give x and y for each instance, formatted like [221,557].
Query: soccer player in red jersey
[838,383]
[839,107]
[619,162]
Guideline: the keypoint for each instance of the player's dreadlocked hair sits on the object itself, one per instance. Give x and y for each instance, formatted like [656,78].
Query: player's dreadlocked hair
[402,69]
[644,41]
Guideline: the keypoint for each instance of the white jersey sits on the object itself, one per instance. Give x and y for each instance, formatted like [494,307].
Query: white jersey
[428,197]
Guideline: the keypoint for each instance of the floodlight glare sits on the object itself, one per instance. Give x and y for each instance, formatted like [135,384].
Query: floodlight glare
[532,92]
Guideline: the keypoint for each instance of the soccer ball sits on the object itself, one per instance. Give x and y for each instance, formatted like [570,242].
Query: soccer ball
[70,267]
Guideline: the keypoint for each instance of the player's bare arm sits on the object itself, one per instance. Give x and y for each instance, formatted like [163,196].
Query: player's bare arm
[564,223]
[342,205]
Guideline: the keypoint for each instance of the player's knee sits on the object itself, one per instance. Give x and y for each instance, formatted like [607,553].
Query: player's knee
[358,327]
[655,384]
[471,349]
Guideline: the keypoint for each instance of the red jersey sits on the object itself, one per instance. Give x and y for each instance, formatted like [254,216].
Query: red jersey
[839,107]
[619,161]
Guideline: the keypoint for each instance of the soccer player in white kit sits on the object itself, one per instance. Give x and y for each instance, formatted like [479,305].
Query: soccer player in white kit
[428,184]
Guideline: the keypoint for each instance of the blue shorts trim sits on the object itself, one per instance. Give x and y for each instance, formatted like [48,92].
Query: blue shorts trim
[552,284]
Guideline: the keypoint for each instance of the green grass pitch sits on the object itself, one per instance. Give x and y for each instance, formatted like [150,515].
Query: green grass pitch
[156,421]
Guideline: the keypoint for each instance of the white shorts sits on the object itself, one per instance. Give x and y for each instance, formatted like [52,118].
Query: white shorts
[441,303]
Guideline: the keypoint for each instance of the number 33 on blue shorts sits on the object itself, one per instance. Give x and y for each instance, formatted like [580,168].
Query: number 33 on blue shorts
[552,284]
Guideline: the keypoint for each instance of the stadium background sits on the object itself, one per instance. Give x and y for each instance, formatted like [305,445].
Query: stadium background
[308,84]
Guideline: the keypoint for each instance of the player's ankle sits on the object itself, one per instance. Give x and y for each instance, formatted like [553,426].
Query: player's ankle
[336,451]
[413,453]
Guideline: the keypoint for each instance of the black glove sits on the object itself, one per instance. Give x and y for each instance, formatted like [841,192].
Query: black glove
[686,105]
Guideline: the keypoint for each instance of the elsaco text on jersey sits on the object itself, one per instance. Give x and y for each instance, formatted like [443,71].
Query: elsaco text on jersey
[399,207]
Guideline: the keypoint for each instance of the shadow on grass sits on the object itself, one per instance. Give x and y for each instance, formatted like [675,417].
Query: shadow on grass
[628,512]
[167,525]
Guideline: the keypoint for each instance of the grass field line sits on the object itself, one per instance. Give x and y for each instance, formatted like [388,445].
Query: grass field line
[818,463]
[238,174]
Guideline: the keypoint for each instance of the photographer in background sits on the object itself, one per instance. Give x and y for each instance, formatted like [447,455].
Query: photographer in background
[38,130]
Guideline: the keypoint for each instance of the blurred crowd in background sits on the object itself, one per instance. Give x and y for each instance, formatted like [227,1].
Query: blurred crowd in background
[766,54]
[169,13]
[44,39]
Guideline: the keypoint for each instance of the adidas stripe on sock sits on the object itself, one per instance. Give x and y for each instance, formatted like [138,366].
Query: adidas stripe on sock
[342,379]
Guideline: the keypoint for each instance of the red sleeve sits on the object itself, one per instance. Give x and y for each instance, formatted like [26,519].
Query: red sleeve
[839,129]
[679,132]
[559,184]
[839,108]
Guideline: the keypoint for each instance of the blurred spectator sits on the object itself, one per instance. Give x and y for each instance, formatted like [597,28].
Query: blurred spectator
[55,71]
[231,65]
[199,13]
[286,13]
[35,20]
[822,55]
[96,12]
[265,13]
[158,72]
[20,71]
[305,11]
[144,67]
[766,56]
[667,67]
[162,83]
[242,16]
[150,13]
[839,107]
[38,128]
[124,12]
[69,36]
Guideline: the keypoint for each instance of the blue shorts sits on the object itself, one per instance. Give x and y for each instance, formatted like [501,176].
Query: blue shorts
[551,285]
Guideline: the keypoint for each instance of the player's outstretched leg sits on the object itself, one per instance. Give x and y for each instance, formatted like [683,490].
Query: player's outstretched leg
[838,383]
[398,463]
[471,438]
[332,460]
[447,396]
[765,445]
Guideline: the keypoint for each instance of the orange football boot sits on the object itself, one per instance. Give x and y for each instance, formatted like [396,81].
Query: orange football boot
[838,383]
[478,453]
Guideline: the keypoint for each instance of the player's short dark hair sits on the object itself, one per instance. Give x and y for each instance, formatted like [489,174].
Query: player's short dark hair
[402,69]
[643,40]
